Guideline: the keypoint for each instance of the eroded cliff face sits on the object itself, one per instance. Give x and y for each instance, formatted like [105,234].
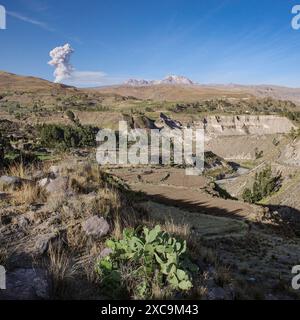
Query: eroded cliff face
[291,154]
[245,125]
[240,147]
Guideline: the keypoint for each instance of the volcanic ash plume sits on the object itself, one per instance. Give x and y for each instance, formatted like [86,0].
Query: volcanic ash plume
[61,62]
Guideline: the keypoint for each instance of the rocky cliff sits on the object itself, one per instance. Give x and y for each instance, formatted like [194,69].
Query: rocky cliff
[245,125]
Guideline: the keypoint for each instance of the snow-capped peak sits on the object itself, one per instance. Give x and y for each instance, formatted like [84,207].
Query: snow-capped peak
[170,80]
[173,79]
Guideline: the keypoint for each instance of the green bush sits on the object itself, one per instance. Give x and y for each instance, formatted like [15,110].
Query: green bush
[258,154]
[143,258]
[65,137]
[70,114]
[265,184]
[295,133]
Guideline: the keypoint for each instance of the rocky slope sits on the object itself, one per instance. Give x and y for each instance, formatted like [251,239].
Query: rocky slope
[291,154]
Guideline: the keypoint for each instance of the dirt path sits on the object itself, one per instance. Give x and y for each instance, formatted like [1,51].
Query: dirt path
[196,201]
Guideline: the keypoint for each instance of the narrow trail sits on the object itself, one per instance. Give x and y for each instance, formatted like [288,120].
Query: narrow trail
[188,193]
[196,201]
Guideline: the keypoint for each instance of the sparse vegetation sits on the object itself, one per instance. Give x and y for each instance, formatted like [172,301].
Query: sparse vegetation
[265,184]
[258,154]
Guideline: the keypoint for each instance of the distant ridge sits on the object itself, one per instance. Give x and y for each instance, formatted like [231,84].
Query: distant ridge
[171,88]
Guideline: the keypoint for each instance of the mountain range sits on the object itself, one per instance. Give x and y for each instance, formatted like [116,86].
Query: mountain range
[171,88]
[169,80]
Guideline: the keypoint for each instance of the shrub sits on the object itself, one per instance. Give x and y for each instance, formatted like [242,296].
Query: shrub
[264,185]
[143,259]
[70,115]
[65,137]
[258,154]
[294,134]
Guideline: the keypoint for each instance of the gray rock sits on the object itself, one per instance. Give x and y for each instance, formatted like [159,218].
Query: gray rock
[42,243]
[105,252]
[43,182]
[38,175]
[95,226]
[26,284]
[58,185]
[10,181]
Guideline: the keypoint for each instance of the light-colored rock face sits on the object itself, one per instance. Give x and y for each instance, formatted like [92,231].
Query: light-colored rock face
[238,147]
[245,125]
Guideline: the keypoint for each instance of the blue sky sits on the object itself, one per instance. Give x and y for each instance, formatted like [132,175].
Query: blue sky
[209,41]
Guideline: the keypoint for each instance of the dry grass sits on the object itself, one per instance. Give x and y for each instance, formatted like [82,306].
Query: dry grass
[158,293]
[60,263]
[180,230]
[28,194]
[223,275]
[60,269]
[55,201]
[77,239]
[117,231]
[18,170]
[86,263]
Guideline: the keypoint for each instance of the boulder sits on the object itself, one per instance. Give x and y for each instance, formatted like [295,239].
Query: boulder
[10,181]
[42,243]
[95,226]
[58,185]
[26,284]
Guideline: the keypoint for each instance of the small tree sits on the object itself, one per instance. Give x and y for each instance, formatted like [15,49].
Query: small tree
[70,114]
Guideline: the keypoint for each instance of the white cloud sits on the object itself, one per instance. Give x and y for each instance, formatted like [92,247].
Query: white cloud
[24,18]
